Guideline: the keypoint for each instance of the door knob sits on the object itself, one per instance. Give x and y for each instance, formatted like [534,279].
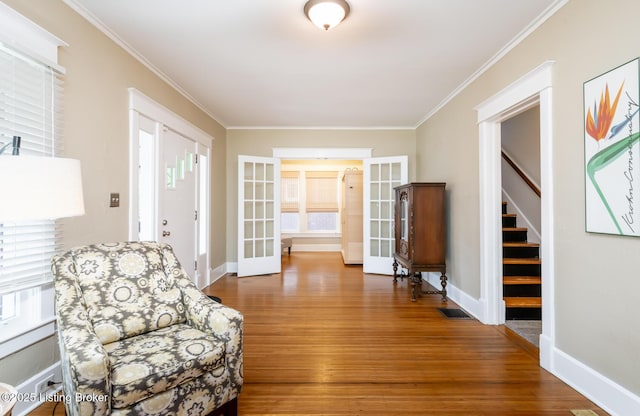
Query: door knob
[166,233]
[164,222]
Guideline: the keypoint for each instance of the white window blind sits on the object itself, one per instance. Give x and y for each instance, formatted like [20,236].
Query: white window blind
[290,191]
[30,107]
[322,191]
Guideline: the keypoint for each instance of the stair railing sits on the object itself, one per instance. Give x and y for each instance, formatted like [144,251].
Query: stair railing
[520,173]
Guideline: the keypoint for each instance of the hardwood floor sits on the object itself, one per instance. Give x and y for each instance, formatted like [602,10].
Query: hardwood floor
[322,338]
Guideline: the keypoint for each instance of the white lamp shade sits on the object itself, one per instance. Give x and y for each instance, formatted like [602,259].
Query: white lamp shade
[39,188]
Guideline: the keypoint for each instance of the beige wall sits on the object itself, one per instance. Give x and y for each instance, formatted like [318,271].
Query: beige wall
[261,143]
[521,141]
[520,136]
[98,73]
[597,280]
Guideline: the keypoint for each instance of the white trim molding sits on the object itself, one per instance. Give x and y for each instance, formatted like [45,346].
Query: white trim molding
[546,14]
[607,394]
[321,153]
[29,388]
[316,247]
[147,106]
[91,18]
[30,336]
[490,176]
[24,35]
[461,298]
[532,89]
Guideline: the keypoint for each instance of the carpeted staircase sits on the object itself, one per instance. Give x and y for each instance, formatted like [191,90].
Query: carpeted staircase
[520,270]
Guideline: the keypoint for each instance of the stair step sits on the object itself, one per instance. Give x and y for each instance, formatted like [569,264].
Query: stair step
[520,249]
[509,220]
[514,234]
[522,302]
[519,244]
[521,261]
[521,280]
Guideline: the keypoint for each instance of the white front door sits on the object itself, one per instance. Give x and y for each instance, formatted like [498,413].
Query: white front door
[169,179]
[177,198]
[380,176]
[258,215]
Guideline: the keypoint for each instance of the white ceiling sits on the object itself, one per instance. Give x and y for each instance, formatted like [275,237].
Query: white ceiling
[261,63]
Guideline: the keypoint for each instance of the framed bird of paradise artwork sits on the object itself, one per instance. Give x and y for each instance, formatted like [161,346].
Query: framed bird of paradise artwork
[612,151]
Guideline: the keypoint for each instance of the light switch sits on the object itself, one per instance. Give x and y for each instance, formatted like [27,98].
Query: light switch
[114,200]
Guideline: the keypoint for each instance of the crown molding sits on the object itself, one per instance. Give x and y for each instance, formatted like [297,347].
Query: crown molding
[535,24]
[97,23]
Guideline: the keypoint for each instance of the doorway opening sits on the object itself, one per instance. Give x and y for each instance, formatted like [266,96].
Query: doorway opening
[312,202]
[169,182]
[521,270]
[380,176]
[533,89]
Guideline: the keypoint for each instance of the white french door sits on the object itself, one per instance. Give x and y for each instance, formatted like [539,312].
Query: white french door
[380,176]
[258,215]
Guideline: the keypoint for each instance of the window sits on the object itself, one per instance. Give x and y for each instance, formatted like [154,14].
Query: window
[30,107]
[8,305]
[309,198]
[322,200]
[290,201]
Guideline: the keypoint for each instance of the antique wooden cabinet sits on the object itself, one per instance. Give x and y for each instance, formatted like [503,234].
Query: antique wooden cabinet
[420,234]
[352,217]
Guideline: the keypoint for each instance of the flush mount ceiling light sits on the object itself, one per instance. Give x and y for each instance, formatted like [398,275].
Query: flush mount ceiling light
[326,14]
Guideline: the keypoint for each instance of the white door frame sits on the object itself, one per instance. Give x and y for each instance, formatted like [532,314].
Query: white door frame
[342,154]
[535,88]
[140,104]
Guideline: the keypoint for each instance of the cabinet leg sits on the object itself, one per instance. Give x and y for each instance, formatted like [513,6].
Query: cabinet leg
[416,285]
[395,271]
[443,283]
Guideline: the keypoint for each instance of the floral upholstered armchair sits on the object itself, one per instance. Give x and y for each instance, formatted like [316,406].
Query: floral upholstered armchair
[138,338]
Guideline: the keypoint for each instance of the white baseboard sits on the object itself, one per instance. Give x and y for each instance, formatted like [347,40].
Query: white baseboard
[218,272]
[610,396]
[466,302]
[316,247]
[546,352]
[28,388]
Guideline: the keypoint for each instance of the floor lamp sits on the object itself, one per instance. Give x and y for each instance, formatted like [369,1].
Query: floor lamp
[35,189]
[39,188]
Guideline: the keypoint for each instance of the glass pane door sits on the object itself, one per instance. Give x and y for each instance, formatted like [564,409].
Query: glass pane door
[258,215]
[381,175]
